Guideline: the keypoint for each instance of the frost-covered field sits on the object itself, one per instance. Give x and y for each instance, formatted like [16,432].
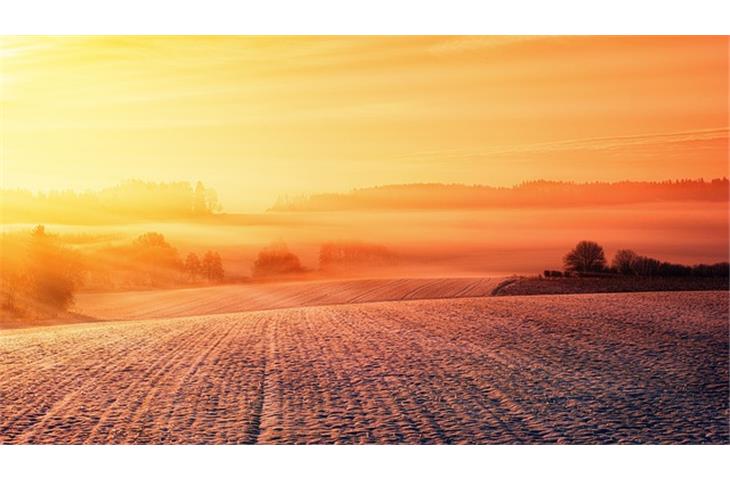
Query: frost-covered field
[606,368]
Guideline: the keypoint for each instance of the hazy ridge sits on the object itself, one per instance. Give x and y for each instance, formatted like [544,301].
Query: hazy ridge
[540,193]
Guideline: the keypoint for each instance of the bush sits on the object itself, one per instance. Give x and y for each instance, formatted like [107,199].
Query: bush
[276,260]
[348,256]
[38,274]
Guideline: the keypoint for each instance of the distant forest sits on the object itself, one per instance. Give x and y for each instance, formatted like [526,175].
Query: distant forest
[133,200]
[538,193]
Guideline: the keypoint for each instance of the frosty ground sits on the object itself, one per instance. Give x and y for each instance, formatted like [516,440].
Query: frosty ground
[591,368]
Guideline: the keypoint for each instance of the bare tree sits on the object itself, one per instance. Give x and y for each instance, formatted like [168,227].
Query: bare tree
[587,256]
[623,262]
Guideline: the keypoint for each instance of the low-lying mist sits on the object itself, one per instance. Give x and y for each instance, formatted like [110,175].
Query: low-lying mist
[445,242]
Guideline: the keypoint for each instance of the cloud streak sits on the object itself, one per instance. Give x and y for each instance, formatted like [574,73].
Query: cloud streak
[591,144]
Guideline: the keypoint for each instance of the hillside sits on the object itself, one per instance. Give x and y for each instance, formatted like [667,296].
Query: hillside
[268,296]
[541,193]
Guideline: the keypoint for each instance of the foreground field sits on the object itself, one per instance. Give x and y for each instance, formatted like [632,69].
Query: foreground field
[640,367]
[267,296]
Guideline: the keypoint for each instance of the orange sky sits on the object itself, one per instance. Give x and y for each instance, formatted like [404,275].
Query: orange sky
[258,117]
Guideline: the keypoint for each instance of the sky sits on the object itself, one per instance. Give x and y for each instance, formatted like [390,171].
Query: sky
[258,117]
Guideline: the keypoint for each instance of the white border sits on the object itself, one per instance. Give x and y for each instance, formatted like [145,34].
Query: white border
[343,17]
[367,462]
[76,17]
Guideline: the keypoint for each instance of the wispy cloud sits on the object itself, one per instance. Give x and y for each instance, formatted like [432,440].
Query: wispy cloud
[592,144]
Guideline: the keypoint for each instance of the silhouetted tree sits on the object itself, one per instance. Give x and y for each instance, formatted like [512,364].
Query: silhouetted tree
[623,261]
[193,267]
[212,266]
[153,250]
[674,270]
[645,266]
[586,257]
[715,270]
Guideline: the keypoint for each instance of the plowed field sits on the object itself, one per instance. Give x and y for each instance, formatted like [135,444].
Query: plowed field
[607,368]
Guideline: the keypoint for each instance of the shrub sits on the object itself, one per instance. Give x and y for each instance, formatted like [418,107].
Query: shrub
[353,256]
[276,260]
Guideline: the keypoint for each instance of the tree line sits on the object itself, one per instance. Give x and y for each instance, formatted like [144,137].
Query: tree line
[539,193]
[334,258]
[130,200]
[209,268]
[38,273]
[41,274]
[589,258]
